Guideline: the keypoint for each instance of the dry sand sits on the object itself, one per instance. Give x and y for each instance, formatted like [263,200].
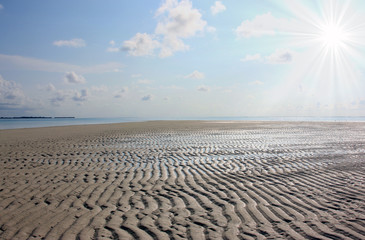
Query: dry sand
[184,180]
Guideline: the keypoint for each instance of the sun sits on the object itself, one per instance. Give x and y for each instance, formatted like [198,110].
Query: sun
[328,41]
[332,35]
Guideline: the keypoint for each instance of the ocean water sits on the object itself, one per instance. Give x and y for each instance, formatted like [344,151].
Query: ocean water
[51,122]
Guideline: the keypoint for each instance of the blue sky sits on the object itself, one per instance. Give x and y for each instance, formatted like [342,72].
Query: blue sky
[170,58]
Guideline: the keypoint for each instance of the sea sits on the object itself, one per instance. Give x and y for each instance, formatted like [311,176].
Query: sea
[51,122]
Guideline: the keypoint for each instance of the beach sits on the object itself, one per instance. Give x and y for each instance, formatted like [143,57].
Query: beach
[184,180]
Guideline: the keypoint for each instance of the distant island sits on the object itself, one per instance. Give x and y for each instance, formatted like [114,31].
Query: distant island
[30,117]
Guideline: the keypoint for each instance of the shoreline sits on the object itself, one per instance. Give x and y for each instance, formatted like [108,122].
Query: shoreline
[22,123]
[85,129]
[184,180]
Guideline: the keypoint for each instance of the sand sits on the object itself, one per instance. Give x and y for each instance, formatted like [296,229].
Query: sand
[184,180]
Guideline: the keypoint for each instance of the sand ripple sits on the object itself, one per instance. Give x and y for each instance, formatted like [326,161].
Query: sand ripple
[184,180]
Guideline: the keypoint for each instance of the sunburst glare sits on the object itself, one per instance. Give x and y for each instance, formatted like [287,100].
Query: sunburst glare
[332,35]
[329,48]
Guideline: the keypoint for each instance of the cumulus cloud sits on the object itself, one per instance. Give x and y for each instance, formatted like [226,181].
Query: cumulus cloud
[50,87]
[99,89]
[121,93]
[141,44]
[148,97]
[195,75]
[178,20]
[280,56]
[112,47]
[203,88]
[60,97]
[170,45]
[81,96]
[182,20]
[76,43]
[262,25]
[217,7]
[72,77]
[10,92]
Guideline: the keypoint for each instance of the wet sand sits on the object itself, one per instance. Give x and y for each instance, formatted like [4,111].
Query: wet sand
[184,180]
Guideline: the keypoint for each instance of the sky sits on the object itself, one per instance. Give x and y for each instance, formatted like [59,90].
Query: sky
[182,58]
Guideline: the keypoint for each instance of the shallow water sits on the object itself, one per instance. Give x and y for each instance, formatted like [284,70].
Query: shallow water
[50,122]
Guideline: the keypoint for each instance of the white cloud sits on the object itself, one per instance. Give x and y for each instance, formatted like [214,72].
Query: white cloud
[182,20]
[121,93]
[148,97]
[203,88]
[257,82]
[255,57]
[60,97]
[211,29]
[112,48]
[50,87]
[1,6]
[10,92]
[76,42]
[195,75]
[99,89]
[262,25]
[72,77]
[168,4]
[10,62]
[141,44]
[217,7]
[177,20]
[81,96]
[171,44]
[280,56]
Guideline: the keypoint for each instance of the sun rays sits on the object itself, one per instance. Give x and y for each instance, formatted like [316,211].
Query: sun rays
[326,69]
[333,36]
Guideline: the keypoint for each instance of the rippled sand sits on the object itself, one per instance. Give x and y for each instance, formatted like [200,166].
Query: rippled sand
[184,180]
